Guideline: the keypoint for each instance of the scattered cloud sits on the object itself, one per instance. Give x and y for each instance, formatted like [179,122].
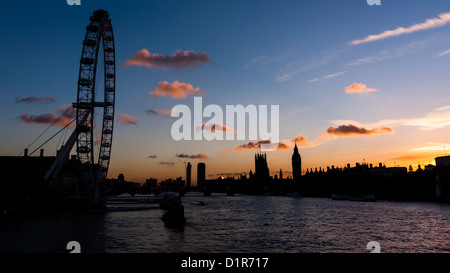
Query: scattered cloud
[435,119]
[216,127]
[300,139]
[446,52]
[330,76]
[127,119]
[353,130]
[384,55]
[315,62]
[226,174]
[433,148]
[165,163]
[152,112]
[424,154]
[304,142]
[199,156]
[359,88]
[251,145]
[254,60]
[381,56]
[48,118]
[176,90]
[30,100]
[152,156]
[256,145]
[64,115]
[443,108]
[282,146]
[164,112]
[179,60]
[264,60]
[415,157]
[440,21]
[67,111]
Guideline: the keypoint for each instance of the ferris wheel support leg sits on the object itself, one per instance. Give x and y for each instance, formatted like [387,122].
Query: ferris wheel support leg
[64,152]
[59,161]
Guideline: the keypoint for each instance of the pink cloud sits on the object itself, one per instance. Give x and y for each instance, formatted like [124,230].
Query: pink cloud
[359,88]
[300,139]
[64,115]
[126,119]
[304,142]
[176,90]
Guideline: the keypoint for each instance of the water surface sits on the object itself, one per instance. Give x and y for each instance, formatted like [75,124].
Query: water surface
[242,224]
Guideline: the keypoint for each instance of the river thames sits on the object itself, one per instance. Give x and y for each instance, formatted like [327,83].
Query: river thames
[241,224]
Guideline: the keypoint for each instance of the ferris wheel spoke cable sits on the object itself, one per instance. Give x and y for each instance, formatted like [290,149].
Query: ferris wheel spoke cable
[65,135]
[48,128]
[48,140]
[62,139]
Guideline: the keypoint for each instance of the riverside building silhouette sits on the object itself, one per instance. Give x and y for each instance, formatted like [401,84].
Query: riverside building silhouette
[261,168]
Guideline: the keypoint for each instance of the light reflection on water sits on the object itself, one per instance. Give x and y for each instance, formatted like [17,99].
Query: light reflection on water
[242,224]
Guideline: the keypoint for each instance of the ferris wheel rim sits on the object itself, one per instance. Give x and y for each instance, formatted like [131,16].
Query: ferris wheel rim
[99,35]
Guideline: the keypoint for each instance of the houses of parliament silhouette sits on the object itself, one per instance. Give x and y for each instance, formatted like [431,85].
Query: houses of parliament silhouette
[262,170]
[428,183]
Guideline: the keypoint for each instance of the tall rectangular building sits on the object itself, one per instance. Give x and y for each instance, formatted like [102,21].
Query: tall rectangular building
[188,175]
[201,173]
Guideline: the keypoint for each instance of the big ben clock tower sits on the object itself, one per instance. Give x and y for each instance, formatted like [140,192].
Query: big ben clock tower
[296,164]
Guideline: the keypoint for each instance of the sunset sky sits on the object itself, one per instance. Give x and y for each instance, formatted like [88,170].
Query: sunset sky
[353,82]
